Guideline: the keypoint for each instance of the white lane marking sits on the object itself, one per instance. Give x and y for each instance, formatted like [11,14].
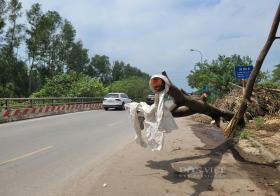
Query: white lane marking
[26,155]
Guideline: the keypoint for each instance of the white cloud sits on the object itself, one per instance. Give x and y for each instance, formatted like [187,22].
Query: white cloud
[156,35]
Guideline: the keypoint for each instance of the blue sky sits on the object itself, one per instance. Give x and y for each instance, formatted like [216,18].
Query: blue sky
[156,35]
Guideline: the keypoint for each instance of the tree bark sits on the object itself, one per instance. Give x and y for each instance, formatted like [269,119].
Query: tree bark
[272,90]
[229,131]
[186,104]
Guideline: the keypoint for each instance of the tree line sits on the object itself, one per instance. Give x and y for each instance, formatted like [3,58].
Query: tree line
[219,75]
[44,51]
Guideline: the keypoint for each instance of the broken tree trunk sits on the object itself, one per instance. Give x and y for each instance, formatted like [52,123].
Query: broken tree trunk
[272,90]
[186,104]
[229,131]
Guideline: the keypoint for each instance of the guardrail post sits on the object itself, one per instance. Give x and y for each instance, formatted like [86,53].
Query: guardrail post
[31,103]
[7,104]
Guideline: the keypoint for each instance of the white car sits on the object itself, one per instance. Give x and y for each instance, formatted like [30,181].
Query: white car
[115,100]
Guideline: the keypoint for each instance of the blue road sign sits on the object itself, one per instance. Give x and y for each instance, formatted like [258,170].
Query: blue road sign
[205,88]
[243,72]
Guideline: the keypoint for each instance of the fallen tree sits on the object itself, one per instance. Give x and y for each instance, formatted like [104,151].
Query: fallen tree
[186,104]
[230,130]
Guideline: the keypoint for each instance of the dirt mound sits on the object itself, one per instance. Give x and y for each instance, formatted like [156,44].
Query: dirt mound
[263,102]
[267,132]
[201,118]
[230,101]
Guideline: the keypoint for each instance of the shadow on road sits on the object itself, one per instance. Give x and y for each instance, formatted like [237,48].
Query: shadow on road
[202,184]
[216,146]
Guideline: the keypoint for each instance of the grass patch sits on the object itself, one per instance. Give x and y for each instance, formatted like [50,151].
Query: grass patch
[259,121]
[244,134]
[254,144]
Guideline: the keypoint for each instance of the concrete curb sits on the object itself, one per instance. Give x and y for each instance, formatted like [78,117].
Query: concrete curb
[10,115]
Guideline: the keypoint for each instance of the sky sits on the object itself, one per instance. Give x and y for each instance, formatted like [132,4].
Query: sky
[157,35]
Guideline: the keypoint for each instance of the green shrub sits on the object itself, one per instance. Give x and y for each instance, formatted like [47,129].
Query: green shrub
[254,144]
[71,85]
[244,134]
[259,121]
[269,84]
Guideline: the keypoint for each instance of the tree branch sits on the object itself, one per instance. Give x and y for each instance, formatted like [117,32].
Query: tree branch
[182,112]
[192,105]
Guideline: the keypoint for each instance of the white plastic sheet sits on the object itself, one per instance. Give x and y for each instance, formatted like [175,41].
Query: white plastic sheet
[157,119]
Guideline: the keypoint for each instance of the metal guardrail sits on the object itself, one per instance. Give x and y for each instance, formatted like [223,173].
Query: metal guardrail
[13,103]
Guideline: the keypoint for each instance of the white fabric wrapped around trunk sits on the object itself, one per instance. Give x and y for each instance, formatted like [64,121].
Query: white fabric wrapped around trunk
[157,119]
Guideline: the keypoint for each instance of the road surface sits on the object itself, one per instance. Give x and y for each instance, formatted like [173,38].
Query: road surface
[45,156]
[207,166]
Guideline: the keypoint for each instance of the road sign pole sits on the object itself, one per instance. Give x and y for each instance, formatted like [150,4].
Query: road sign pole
[244,82]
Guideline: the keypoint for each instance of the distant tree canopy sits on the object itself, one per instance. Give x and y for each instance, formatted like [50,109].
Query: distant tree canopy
[13,74]
[276,74]
[100,67]
[73,84]
[273,80]
[219,74]
[52,52]
[121,71]
[135,87]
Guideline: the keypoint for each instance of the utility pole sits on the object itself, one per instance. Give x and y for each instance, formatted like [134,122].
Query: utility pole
[201,55]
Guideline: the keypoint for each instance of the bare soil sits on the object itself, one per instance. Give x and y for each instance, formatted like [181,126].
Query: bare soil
[267,132]
[185,167]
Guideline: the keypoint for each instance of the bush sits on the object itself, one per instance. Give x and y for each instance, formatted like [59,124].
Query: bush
[259,122]
[71,85]
[269,84]
[244,134]
[87,87]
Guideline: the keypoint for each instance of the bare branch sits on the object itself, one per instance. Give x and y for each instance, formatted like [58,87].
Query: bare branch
[192,105]
[182,111]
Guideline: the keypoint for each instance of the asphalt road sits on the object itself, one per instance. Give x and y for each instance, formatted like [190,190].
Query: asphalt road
[44,156]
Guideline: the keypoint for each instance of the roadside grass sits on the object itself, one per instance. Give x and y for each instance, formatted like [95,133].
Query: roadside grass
[259,122]
[244,134]
[254,144]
